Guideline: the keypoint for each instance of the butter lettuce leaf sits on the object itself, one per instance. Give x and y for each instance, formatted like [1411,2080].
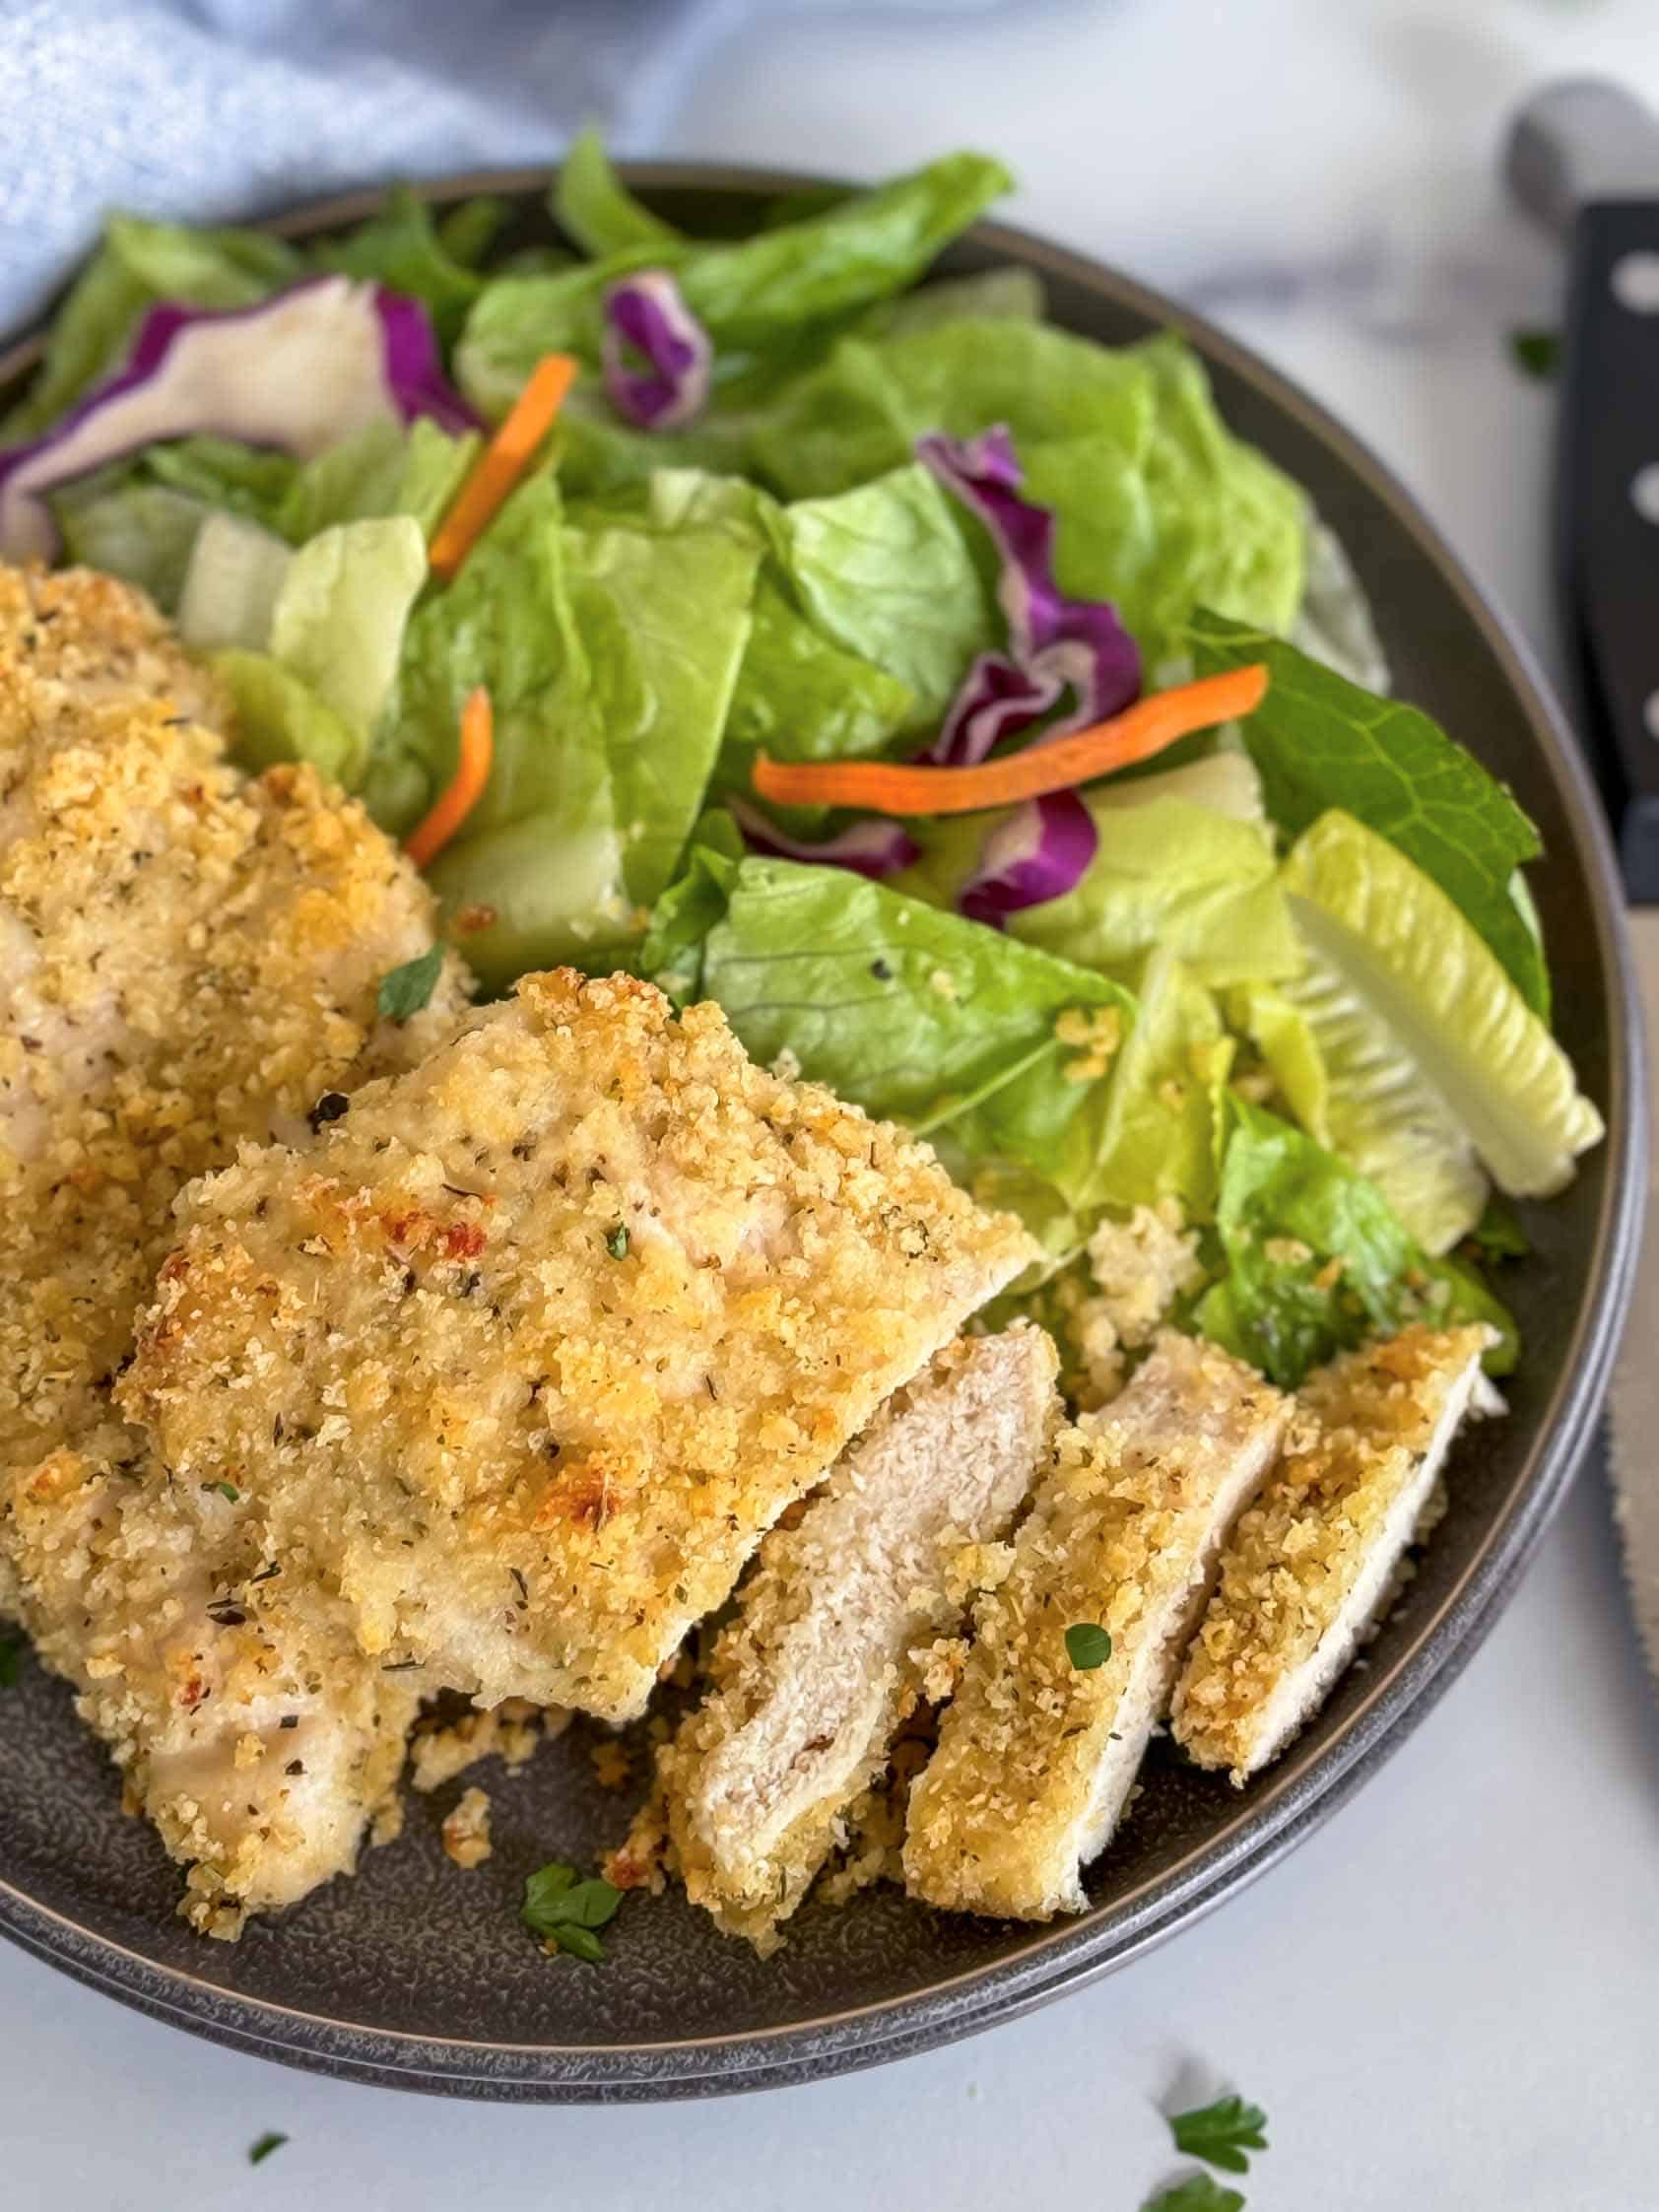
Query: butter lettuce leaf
[1314,1260]
[1321,742]
[1461,1030]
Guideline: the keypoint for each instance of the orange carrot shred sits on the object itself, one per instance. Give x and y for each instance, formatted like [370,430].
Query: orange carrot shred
[502,462]
[1140,731]
[461,793]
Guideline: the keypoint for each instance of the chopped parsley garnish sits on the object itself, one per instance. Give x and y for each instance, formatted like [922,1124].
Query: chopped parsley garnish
[559,1905]
[616,1242]
[270,2141]
[11,1654]
[227,1489]
[1088,1646]
[1536,352]
[1221,2133]
[1197,2193]
[405,991]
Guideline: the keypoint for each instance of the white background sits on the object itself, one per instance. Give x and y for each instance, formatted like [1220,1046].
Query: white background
[1450,1995]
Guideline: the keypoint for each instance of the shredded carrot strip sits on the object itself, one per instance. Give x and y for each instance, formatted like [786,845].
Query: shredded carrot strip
[503,461]
[1145,729]
[461,793]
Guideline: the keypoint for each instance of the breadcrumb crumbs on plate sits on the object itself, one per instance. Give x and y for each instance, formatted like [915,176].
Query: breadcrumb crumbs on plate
[466,1830]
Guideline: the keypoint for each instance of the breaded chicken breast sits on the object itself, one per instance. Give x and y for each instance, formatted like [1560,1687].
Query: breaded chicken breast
[186,960]
[1036,1754]
[249,1729]
[831,1643]
[1313,1559]
[528,1349]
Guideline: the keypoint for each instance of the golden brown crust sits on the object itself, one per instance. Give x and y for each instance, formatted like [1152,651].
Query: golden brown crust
[843,1628]
[1012,1802]
[1357,1446]
[554,1326]
[184,958]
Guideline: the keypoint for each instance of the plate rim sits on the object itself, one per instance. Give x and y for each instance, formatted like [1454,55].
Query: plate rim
[1063,1956]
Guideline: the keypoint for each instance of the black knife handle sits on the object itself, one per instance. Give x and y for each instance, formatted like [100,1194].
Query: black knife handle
[1606,519]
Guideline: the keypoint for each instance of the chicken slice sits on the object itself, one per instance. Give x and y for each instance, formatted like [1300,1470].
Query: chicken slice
[1315,1556]
[1036,1756]
[827,1653]
[248,1727]
[528,1349]
[184,960]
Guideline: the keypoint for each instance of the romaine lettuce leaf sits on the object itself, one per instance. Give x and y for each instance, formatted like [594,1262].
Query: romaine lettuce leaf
[1427,979]
[1320,741]
[279,717]
[1012,293]
[591,203]
[385,468]
[1167,1101]
[1170,872]
[400,248]
[1160,508]
[754,296]
[1314,1260]
[610,655]
[236,569]
[885,573]
[999,1054]
[143,532]
[537,874]
[1334,622]
[1381,1115]
[339,617]
[664,620]
[799,697]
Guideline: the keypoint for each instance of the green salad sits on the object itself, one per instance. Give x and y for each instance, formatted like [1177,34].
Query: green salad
[1276,986]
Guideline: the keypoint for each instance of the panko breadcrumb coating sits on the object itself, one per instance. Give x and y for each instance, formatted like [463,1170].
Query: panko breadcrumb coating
[832,1644]
[1036,1756]
[186,960]
[526,1349]
[1315,1557]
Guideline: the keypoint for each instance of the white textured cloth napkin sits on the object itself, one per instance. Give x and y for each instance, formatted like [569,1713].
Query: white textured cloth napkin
[205,110]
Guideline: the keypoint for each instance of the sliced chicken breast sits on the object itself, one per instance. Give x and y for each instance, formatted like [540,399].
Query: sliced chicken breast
[836,1627]
[1037,1755]
[1313,1559]
[527,1349]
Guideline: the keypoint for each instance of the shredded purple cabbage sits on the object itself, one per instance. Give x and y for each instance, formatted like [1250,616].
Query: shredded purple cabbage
[1041,852]
[298,372]
[1054,644]
[872,848]
[647,318]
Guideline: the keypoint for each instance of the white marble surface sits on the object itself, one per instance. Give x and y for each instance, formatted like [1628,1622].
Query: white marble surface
[1450,1996]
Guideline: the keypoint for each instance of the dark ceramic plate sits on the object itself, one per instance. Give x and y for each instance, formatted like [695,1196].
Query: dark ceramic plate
[419,1976]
